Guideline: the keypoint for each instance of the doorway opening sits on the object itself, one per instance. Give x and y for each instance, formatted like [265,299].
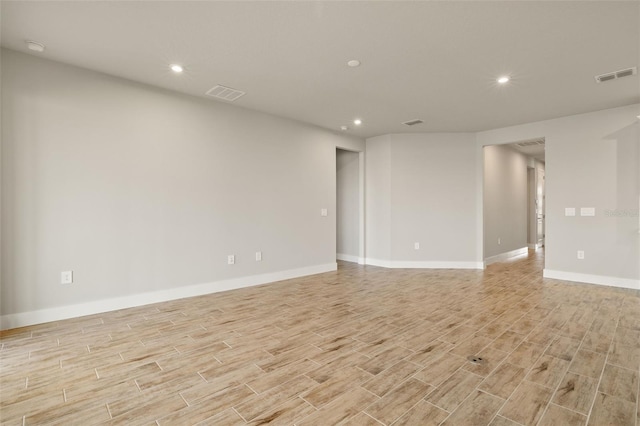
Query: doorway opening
[349,206]
[513,199]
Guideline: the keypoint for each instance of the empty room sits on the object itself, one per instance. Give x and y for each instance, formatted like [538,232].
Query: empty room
[320,213]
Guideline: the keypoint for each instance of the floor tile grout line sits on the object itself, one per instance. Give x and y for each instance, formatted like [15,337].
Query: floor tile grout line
[519,384]
[565,373]
[604,366]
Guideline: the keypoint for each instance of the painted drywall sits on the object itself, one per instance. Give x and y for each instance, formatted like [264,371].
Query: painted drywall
[423,192]
[505,200]
[591,160]
[347,205]
[378,200]
[139,190]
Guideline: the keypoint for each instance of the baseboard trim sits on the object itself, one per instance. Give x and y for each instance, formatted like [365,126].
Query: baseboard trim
[349,258]
[506,255]
[592,279]
[40,316]
[533,246]
[407,264]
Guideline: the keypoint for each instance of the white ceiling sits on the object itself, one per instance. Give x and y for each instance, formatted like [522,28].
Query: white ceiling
[436,61]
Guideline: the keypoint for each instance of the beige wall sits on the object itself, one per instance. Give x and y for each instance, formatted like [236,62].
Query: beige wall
[140,190]
[348,204]
[421,188]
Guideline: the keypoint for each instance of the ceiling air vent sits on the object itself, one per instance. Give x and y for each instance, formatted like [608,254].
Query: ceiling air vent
[616,74]
[225,93]
[413,122]
[531,143]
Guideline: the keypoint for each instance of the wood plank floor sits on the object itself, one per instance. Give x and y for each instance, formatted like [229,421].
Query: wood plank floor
[360,346]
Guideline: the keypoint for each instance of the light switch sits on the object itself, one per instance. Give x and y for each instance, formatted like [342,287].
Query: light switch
[570,211]
[587,211]
[323,212]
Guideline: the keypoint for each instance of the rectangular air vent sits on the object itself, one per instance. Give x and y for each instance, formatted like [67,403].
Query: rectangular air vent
[616,74]
[225,93]
[413,122]
[531,142]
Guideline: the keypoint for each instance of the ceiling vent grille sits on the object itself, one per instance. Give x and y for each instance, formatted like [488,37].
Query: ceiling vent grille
[413,122]
[531,143]
[616,74]
[225,93]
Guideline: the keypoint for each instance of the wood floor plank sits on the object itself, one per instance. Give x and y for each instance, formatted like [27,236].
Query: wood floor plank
[397,402]
[503,381]
[479,406]
[576,392]
[527,404]
[423,413]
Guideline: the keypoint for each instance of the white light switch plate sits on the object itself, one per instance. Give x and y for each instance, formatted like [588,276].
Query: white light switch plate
[570,211]
[323,212]
[587,211]
[258,256]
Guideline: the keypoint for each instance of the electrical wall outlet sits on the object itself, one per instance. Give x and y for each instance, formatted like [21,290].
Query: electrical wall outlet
[580,254]
[231,259]
[416,246]
[258,256]
[323,212]
[499,241]
[66,277]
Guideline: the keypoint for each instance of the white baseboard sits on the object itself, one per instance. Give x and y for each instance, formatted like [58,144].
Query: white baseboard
[507,255]
[533,246]
[90,308]
[592,279]
[349,258]
[407,264]
[378,262]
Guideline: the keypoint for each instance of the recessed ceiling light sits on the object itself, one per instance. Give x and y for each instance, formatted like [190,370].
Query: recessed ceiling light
[36,47]
[176,68]
[344,128]
[504,79]
[353,63]
[357,122]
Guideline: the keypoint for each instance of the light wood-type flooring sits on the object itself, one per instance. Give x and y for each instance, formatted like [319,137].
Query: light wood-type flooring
[360,346]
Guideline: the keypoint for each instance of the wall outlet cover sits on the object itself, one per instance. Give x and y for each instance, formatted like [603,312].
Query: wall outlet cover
[231,259]
[569,211]
[66,277]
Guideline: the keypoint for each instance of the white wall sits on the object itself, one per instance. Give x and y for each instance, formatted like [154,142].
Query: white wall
[592,160]
[378,200]
[141,190]
[420,188]
[505,200]
[348,205]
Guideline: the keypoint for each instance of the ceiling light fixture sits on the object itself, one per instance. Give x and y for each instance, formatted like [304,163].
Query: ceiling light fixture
[357,122]
[344,128]
[36,47]
[177,68]
[353,63]
[504,79]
